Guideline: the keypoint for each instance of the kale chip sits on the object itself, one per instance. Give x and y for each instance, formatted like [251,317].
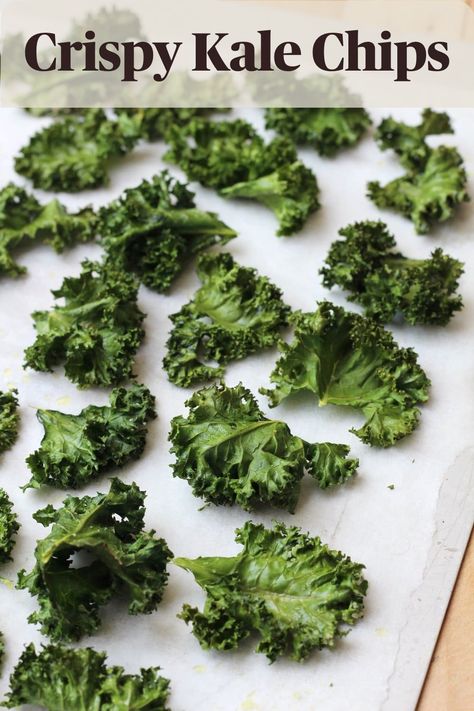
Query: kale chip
[231,157]
[124,559]
[74,152]
[96,332]
[348,360]
[154,229]
[77,448]
[154,123]
[9,419]
[386,282]
[234,313]
[9,527]
[429,194]
[78,680]
[22,218]
[230,453]
[409,142]
[328,130]
[295,592]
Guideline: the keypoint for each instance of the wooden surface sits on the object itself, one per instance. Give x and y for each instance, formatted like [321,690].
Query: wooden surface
[449,685]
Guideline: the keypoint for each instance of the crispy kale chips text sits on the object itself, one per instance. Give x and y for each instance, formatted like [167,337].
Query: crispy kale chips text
[289,588]
[153,229]
[349,360]
[8,527]
[9,419]
[23,218]
[77,448]
[386,282]
[123,558]
[230,453]
[79,680]
[409,142]
[231,157]
[233,314]
[74,153]
[96,332]
[328,130]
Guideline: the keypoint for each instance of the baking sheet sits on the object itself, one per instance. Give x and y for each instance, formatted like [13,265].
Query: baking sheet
[411,537]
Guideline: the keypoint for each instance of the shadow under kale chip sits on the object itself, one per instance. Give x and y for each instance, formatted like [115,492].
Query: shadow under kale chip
[77,448]
[348,360]
[153,229]
[289,588]
[386,283]
[96,332]
[234,313]
[125,559]
[78,680]
[230,453]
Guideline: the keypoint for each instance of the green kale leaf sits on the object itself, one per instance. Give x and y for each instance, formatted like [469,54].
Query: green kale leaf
[231,157]
[74,152]
[288,587]
[230,453]
[9,419]
[234,313]
[123,558]
[386,282]
[9,527]
[154,229]
[58,678]
[428,195]
[409,142]
[97,330]
[328,130]
[154,123]
[77,448]
[349,360]
[22,218]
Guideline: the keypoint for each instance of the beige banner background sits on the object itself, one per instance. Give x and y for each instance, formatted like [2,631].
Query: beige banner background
[423,21]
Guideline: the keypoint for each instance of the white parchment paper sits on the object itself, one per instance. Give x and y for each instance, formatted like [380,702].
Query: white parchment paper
[411,537]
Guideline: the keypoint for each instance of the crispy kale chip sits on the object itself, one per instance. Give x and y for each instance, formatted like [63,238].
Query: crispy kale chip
[234,313]
[9,419]
[79,680]
[97,330]
[122,558]
[429,194]
[74,152]
[77,448]
[154,229]
[8,527]
[23,218]
[230,453]
[349,360]
[231,157]
[409,142]
[328,130]
[155,123]
[288,587]
[386,282]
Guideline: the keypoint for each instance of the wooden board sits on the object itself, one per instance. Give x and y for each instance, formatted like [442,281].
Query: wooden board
[449,685]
